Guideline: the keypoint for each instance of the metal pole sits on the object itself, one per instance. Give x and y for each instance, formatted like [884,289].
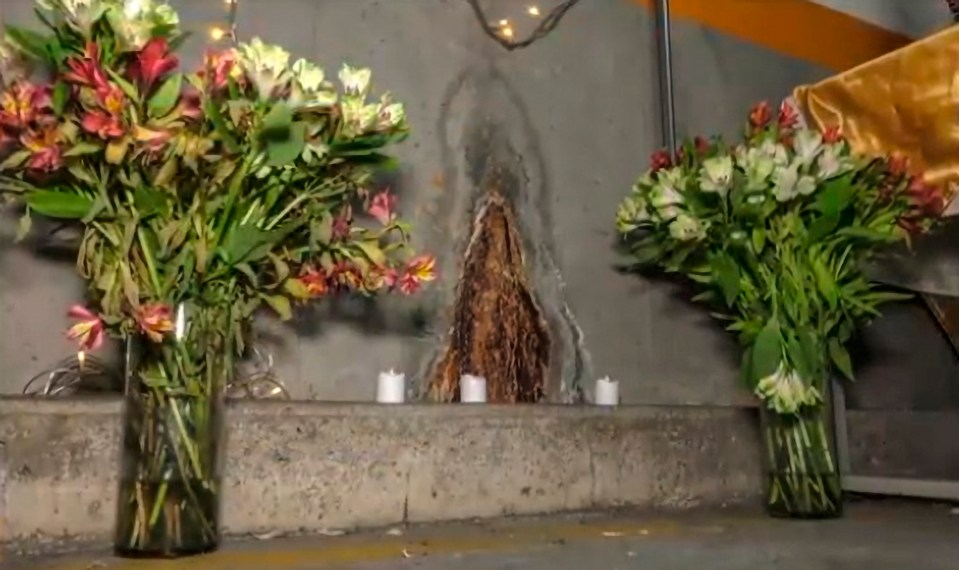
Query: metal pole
[667,103]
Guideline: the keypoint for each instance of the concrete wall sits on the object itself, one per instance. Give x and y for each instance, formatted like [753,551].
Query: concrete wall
[309,467]
[572,119]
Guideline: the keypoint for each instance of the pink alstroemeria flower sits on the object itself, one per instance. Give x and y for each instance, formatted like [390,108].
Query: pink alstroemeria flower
[381,207]
[155,320]
[22,104]
[86,70]
[419,270]
[89,329]
[46,153]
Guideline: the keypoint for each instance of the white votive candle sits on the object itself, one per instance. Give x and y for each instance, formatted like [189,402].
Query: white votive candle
[390,388]
[607,392]
[472,389]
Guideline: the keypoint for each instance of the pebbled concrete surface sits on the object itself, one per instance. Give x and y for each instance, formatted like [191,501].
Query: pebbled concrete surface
[870,537]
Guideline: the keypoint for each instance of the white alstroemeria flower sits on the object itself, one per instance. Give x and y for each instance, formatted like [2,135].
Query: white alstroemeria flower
[79,14]
[789,183]
[832,163]
[757,165]
[389,114]
[135,20]
[686,228]
[786,393]
[266,65]
[716,175]
[663,195]
[358,117]
[632,214]
[356,81]
[755,199]
[668,213]
[776,151]
[808,145]
[310,88]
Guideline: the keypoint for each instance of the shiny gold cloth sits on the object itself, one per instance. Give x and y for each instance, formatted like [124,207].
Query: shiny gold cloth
[906,101]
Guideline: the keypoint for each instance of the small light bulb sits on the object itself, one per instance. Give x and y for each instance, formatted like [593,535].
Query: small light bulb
[504,23]
[217,34]
[507,32]
[229,2]
[81,358]
[533,10]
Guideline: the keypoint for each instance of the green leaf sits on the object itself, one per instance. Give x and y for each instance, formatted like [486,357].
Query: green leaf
[840,357]
[284,151]
[866,234]
[63,205]
[150,201]
[278,121]
[727,276]
[82,148]
[372,251]
[15,160]
[280,304]
[759,239]
[128,88]
[247,244]
[835,196]
[822,227]
[766,351]
[165,98]
[296,288]
[212,110]
[61,93]
[30,42]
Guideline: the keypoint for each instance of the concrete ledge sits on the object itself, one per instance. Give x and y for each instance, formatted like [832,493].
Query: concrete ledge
[301,467]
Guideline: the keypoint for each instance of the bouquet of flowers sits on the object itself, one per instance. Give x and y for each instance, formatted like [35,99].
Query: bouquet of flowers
[776,230]
[202,197]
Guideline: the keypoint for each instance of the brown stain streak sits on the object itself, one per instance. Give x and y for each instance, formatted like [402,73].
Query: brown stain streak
[498,331]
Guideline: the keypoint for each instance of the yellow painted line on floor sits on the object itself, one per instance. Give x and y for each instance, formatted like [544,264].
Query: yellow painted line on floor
[798,28]
[352,550]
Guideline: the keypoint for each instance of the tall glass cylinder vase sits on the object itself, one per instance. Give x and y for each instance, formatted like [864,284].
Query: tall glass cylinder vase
[170,478]
[802,470]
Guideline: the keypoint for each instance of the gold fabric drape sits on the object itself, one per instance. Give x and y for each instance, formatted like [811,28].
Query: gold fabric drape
[906,101]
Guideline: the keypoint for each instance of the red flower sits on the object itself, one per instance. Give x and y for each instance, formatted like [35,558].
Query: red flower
[898,165]
[23,104]
[86,70]
[316,282]
[88,331]
[419,270]
[47,155]
[346,275]
[382,206]
[832,135]
[103,125]
[218,67]
[660,160]
[702,145]
[760,115]
[154,320]
[926,198]
[788,117]
[190,105]
[153,62]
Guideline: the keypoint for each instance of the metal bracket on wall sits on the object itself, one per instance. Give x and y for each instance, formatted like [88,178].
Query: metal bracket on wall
[664,42]
[895,486]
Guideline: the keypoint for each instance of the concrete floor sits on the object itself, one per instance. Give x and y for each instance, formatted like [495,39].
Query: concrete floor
[872,536]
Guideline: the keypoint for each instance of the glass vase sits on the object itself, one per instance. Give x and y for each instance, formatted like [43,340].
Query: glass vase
[802,470]
[170,471]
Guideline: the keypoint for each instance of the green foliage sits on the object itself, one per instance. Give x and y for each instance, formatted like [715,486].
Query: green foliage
[777,229]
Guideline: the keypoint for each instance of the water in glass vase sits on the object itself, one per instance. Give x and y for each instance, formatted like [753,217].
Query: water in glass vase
[170,479]
[802,476]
